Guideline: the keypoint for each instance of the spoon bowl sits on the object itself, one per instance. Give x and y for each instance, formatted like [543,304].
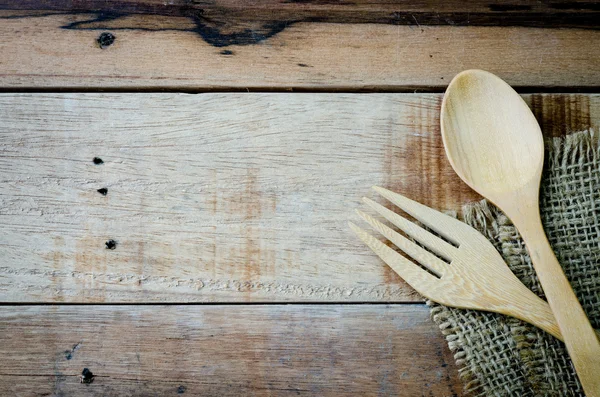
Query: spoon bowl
[517,157]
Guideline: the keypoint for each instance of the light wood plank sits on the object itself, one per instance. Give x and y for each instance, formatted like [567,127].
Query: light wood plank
[227,197]
[217,197]
[321,350]
[198,51]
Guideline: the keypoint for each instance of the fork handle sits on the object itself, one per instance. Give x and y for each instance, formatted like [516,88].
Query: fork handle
[537,312]
[579,336]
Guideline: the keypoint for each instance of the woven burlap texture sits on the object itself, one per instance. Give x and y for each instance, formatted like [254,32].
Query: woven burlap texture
[502,356]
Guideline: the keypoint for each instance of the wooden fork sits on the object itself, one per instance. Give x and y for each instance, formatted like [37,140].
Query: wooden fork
[466,273]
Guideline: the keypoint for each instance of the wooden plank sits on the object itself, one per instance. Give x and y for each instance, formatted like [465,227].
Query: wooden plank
[222,15]
[227,197]
[218,197]
[54,45]
[325,350]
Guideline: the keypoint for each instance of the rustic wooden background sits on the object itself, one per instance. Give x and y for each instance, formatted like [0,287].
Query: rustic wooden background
[235,139]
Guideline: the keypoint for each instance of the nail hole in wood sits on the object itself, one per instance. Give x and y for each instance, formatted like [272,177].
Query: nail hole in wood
[103,191]
[111,244]
[181,390]
[87,376]
[98,160]
[105,39]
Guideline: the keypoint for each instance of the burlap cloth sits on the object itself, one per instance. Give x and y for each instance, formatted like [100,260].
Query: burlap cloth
[502,356]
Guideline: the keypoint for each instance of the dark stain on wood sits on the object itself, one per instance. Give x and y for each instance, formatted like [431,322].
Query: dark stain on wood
[559,115]
[103,191]
[216,33]
[98,161]
[111,244]
[223,23]
[69,353]
[213,35]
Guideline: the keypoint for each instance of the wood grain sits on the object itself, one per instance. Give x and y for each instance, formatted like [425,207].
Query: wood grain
[228,197]
[302,47]
[215,197]
[219,16]
[324,350]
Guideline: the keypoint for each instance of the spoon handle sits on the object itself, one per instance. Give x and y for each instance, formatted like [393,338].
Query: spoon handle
[578,334]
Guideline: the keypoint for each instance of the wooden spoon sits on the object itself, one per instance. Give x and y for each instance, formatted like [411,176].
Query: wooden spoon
[495,145]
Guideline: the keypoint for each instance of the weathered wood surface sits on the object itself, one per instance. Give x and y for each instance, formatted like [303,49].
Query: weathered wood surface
[321,350]
[218,197]
[210,197]
[225,14]
[276,45]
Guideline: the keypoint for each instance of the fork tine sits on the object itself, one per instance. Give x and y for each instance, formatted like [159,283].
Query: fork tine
[424,257]
[433,219]
[426,238]
[416,277]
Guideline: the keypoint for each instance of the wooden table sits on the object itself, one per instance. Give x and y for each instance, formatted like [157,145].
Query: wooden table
[179,244]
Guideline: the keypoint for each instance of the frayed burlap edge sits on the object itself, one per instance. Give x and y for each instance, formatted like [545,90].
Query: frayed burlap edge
[574,150]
